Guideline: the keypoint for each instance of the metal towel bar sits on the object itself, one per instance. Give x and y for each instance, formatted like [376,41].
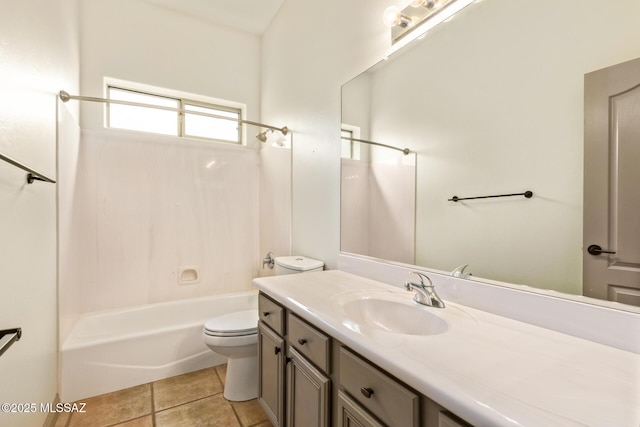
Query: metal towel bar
[527,194]
[32,174]
[8,337]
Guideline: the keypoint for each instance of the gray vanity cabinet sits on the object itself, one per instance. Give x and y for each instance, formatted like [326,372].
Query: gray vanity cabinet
[351,414]
[293,360]
[271,352]
[308,391]
[383,396]
[309,379]
[271,359]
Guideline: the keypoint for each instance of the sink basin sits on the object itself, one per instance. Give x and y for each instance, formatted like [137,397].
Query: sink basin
[391,313]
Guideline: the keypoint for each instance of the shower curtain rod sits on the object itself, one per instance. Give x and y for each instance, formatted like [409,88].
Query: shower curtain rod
[64,97]
[404,150]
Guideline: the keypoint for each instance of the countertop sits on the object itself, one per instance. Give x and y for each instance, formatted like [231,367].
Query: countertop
[489,370]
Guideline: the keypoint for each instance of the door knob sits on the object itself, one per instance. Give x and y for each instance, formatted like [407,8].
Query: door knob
[597,250]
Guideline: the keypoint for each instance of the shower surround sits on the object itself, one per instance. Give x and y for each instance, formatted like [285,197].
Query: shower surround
[147,206]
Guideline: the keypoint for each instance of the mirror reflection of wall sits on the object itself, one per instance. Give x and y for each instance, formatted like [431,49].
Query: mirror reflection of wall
[492,102]
[377,204]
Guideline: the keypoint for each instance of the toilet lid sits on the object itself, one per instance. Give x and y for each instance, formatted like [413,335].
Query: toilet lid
[233,324]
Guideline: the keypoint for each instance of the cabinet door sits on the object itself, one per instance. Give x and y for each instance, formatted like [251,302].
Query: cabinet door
[307,393]
[350,414]
[271,373]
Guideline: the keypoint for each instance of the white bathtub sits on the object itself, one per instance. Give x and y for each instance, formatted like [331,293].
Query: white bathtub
[115,349]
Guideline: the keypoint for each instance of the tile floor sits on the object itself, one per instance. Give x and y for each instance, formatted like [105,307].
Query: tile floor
[193,399]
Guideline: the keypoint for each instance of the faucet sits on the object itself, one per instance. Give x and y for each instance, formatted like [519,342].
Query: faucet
[268,261]
[459,272]
[425,293]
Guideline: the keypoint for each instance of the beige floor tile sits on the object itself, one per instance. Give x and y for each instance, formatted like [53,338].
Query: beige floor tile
[212,411]
[249,412]
[185,388]
[266,423]
[114,408]
[222,372]
[138,422]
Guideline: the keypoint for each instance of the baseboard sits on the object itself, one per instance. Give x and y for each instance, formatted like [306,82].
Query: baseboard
[52,417]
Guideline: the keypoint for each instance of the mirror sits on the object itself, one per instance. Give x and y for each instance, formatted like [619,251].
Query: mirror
[492,103]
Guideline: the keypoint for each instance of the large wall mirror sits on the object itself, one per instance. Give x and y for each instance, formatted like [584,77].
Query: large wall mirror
[491,103]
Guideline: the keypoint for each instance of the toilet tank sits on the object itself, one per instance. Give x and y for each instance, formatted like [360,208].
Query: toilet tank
[297,264]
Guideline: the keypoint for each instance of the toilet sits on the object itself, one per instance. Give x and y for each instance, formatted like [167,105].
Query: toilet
[235,335]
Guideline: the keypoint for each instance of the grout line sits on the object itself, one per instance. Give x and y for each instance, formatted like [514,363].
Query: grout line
[153,406]
[233,408]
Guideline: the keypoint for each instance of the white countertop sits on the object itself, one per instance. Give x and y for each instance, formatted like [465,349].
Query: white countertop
[489,370]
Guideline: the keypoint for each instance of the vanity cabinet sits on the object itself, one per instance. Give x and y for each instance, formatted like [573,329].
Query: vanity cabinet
[351,414]
[293,361]
[308,391]
[271,359]
[309,379]
[381,395]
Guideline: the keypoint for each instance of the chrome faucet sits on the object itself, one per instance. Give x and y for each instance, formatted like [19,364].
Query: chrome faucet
[425,293]
[459,272]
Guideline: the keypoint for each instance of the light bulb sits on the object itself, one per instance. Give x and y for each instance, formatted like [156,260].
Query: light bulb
[391,16]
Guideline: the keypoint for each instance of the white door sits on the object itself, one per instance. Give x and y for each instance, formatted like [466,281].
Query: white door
[612,184]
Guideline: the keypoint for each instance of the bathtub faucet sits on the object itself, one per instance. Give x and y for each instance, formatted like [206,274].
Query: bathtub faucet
[269,260]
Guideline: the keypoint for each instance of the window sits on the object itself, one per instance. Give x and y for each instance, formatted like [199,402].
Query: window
[195,122]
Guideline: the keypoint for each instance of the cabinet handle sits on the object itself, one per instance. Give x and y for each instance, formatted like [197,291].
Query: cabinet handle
[366,392]
[302,341]
[265,313]
[276,350]
[287,359]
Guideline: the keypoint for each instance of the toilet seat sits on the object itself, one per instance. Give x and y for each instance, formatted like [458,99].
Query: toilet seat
[237,324]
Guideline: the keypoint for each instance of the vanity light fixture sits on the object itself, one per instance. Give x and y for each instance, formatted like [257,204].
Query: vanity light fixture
[392,17]
[420,16]
[429,4]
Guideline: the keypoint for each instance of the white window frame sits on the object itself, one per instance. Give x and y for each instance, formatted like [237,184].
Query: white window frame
[183,98]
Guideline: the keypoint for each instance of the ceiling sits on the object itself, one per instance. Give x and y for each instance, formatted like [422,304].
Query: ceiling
[252,16]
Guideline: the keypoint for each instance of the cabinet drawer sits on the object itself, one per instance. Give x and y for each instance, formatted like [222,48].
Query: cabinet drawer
[309,341]
[351,414]
[271,313]
[393,403]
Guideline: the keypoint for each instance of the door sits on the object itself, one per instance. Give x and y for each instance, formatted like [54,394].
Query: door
[271,374]
[611,238]
[350,414]
[307,393]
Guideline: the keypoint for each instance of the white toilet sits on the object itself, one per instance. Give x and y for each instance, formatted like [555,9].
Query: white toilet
[235,335]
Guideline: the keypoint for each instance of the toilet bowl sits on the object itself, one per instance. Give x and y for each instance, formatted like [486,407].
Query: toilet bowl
[235,335]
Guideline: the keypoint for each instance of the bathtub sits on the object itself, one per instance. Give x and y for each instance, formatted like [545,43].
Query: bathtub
[115,349]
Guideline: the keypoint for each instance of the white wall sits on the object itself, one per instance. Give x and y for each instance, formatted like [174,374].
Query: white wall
[499,110]
[309,51]
[140,42]
[377,206]
[307,95]
[38,56]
